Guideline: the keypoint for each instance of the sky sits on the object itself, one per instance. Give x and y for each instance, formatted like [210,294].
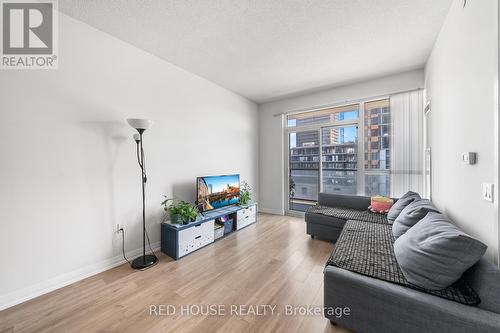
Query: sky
[220,182]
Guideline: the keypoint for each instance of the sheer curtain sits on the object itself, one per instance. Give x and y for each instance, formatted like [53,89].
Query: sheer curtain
[407,153]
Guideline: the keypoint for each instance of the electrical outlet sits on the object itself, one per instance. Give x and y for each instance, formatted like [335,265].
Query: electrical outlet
[119,227]
[488,192]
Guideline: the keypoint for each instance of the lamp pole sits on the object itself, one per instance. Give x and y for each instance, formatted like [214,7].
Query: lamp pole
[149,260]
[143,181]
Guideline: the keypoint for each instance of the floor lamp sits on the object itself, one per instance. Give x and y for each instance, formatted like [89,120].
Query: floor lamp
[141,125]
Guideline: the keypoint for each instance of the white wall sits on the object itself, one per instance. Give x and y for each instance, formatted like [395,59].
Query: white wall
[68,172]
[461,82]
[271,195]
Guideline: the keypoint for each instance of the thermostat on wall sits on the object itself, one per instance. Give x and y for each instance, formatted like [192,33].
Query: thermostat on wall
[469,158]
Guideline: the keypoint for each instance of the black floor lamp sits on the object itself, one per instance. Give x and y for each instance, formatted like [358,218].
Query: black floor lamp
[141,125]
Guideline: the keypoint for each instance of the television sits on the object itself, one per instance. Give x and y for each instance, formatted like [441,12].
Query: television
[217,191]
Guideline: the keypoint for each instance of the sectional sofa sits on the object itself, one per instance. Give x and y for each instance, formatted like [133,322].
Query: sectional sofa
[376,305]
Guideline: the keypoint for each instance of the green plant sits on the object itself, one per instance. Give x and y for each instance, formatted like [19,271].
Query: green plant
[245,193]
[292,187]
[180,211]
[291,190]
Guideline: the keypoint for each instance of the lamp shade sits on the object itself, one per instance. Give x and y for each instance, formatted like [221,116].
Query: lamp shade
[139,124]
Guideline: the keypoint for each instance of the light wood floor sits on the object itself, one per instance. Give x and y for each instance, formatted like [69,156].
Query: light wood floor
[271,262]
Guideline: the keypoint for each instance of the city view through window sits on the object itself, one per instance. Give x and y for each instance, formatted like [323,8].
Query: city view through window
[327,158]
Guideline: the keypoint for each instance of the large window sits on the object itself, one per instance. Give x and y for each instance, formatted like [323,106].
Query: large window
[343,150]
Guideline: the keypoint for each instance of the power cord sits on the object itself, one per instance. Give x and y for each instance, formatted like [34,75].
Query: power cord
[123,245]
[149,244]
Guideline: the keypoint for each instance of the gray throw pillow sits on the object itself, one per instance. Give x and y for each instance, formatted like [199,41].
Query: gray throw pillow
[410,215]
[434,253]
[402,202]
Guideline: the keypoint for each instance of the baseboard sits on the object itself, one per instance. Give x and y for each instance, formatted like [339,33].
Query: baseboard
[271,211]
[44,287]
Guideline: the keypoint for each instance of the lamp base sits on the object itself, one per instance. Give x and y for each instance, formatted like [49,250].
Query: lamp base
[143,262]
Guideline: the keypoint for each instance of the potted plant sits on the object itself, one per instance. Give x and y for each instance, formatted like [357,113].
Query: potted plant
[245,193]
[292,190]
[180,211]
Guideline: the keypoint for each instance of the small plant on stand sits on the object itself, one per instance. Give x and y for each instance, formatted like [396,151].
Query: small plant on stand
[180,211]
[245,193]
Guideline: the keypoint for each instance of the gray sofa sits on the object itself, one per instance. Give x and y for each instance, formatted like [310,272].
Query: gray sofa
[380,306]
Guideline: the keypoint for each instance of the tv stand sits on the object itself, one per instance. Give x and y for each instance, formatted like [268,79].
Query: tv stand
[179,240]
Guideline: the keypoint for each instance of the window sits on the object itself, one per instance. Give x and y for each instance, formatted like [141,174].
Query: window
[339,145]
[303,165]
[377,134]
[328,147]
[344,113]
[377,148]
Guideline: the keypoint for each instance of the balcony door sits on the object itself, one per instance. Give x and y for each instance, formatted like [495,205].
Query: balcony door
[303,169]
[321,160]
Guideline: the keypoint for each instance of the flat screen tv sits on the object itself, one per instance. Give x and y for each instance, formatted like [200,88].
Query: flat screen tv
[217,191]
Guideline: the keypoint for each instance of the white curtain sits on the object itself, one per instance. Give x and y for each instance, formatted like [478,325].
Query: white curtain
[407,152]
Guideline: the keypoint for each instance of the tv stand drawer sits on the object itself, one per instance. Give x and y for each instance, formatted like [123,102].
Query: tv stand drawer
[191,239]
[246,216]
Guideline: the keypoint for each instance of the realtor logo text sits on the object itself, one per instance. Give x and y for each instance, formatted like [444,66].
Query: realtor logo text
[29,34]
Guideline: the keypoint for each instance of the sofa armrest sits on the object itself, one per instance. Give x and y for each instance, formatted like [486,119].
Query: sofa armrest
[340,200]
[380,306]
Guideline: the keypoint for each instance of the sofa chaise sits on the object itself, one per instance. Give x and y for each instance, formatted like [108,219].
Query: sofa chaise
[376,305]
[346,207]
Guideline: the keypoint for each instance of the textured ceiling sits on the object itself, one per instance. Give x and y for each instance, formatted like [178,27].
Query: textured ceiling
[267,49]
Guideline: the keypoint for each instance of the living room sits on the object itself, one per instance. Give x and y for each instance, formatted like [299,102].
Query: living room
[206,166]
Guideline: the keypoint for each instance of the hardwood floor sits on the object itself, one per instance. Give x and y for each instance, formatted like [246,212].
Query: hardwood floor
[272,262]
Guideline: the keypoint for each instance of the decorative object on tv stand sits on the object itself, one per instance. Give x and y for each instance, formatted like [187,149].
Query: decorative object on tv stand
[245,193]
[145,260]
[181,212]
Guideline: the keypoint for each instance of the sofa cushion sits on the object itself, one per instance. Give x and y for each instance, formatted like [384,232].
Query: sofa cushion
[380,204]
[434,253]
[401,203]
[326,220]
[343,200]
[348,214]
[484,278]
[411,214]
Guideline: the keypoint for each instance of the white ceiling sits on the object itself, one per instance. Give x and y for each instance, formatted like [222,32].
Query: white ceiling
[267,49]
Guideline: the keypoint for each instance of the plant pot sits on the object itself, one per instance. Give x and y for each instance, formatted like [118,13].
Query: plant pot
[188,221]
[174,219]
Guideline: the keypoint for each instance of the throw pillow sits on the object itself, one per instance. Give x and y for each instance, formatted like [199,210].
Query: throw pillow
[402,202]
[434,253]
[411,214]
